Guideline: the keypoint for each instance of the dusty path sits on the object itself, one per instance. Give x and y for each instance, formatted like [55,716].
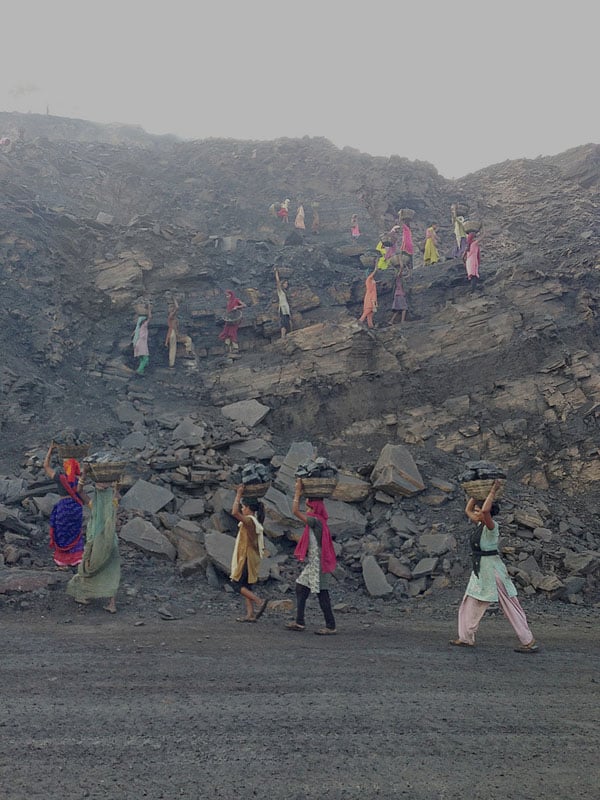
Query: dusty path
[96,707]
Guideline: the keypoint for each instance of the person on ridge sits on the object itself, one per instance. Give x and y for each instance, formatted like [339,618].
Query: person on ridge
[285,317]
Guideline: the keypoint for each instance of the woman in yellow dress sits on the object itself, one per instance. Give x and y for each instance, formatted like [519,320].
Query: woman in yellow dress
[248,551]
[431,255]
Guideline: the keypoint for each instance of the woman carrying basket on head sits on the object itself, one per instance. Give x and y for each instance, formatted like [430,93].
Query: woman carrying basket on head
[316,549]
[489,581]
[233,317]
[247,553]
[99,573]
[66,519]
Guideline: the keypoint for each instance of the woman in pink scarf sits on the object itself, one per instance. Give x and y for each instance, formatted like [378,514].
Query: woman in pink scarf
[233,317]
[315,548]
[472,258]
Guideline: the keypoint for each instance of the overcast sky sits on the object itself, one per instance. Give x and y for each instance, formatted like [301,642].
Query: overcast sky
[462,85]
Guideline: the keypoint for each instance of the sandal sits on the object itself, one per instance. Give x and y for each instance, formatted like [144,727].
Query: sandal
[532,647]
[326,632]
[294,626]
[460,643]
[245,619]
[261,610]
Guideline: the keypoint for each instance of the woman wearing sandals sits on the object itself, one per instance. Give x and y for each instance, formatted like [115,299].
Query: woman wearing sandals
[247,553]
[489,582]
[99,573]
[316,547]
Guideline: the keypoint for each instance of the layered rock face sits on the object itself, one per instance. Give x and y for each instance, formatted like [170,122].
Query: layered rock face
[94,220]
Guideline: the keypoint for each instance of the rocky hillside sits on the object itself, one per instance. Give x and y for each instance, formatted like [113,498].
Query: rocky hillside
[93,219]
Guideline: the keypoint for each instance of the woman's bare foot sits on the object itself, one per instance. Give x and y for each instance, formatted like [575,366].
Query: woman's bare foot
[82,602]
[111,606]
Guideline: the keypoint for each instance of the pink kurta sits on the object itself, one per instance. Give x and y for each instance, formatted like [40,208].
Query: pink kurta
[472,260]
[407,242]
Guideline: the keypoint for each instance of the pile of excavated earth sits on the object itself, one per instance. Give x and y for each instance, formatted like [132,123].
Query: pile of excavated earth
[95,220]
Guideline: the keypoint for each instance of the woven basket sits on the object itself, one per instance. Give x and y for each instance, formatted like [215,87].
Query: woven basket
[77,451]
[106,471]
[406,214]
[460,210]
[472,226]
[256,489]
[480,489]
[318,487]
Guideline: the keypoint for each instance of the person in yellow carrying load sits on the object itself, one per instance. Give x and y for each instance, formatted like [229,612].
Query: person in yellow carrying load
[247,553]
[489,581]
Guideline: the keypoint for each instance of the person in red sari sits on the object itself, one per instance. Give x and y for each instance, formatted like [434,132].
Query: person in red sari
[233,317]
[66,519]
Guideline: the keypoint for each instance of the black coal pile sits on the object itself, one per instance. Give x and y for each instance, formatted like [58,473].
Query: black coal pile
[254,473]
[316,468]
[481,471]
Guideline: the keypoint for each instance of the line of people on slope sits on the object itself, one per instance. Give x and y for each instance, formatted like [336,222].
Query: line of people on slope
[139,340]
[396,248]
[283,214]
[234,314]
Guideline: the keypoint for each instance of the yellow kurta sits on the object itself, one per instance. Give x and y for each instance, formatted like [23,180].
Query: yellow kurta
[246,551]
[431,255]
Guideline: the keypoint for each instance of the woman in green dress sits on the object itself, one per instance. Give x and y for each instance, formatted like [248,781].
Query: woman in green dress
[489,581]
[99,572]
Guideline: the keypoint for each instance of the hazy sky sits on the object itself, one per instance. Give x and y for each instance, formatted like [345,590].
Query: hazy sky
[461,85]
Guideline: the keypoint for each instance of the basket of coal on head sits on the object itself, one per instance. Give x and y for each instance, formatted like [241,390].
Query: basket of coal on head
[72,444]
[472,226]
[319,477]
[105,467]
[478,478]
[256,480]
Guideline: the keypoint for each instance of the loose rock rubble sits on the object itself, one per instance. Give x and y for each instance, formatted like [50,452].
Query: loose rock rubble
[508,374]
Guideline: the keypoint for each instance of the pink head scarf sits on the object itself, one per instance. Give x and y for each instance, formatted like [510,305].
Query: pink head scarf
[328,559]
[233,302]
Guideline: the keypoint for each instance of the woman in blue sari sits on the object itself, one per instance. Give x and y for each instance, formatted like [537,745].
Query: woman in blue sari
[66,519]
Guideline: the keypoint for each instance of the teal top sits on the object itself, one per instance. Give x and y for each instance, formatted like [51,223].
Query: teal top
[484,587]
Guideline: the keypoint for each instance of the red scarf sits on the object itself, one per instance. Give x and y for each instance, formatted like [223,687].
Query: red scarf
[233,302]
[328,560]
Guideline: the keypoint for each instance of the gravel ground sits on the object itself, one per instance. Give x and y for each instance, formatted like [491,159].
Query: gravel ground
[135,706]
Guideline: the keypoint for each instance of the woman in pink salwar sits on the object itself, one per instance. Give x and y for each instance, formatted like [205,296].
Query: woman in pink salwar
[489,581]
[406,250]
[472,258]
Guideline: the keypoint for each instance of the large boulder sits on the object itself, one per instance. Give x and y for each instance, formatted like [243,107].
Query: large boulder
[144,535]
[374,578]
[147,497]
[396,472]
[219,548]
[345,521]
[188,539]
[297,453]
[246,412]
[351,489]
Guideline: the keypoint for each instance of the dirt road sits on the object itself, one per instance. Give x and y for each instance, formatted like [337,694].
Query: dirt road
[95,706]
